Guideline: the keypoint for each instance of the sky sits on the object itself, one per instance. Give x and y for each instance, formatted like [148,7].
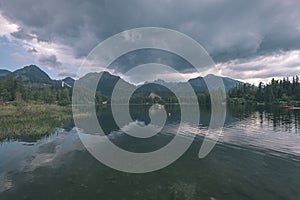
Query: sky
[250,41]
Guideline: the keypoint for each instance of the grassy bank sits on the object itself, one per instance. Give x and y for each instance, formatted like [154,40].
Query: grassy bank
[31,120]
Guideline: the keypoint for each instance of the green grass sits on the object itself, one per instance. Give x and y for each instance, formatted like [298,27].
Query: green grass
[31,120]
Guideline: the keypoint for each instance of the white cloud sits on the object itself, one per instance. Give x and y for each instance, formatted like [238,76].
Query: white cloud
[263,68]
[41,49]
[6,27]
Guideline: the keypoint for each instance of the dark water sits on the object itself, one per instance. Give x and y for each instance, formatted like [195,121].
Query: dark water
[257,157]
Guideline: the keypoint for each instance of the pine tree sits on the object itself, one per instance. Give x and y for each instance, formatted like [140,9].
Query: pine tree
[64,97]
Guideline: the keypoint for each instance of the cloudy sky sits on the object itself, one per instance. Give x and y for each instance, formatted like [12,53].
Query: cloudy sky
[248,40]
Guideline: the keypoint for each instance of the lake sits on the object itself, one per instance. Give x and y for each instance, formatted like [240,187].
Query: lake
[256,157]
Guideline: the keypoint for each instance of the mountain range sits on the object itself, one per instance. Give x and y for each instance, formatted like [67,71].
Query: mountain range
[36,76]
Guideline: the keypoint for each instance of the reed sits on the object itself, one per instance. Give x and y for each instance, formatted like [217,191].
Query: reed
[25,120]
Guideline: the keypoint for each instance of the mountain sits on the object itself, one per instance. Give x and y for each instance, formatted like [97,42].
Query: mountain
[166,84]
[199,84]
[35,76]
[106,84]
[4,72]
[70,81]
[230,83]
[32,74]
[159,89]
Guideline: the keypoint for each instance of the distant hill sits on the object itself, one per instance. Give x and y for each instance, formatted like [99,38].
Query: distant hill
[106,83]
[230,83]
[166,84]
[32,74]
[199,84]
[148,88]
[35,76]
[38,77]
[4,72]
[70,81]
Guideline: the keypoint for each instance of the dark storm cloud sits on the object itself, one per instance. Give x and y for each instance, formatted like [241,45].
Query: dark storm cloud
[21,34]
[226,28]
[144,56]
[50,60]
[231,29]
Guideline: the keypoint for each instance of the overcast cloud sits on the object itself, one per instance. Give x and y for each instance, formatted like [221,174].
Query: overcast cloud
[249,40]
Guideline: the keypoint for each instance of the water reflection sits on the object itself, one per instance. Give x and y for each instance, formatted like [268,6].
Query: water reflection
[277,118]
[257,157]
[282,119]
[286,120]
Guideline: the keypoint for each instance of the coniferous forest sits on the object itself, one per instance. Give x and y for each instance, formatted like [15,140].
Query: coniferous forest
[282,91]
[17,91]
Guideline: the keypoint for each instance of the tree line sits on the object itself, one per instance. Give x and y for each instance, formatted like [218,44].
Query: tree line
[18,91]
[286,90]
[277,91]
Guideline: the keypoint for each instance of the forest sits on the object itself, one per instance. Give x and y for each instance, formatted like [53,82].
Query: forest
[283,91]
[17,91]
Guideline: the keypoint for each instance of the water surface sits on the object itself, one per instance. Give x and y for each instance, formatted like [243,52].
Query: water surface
[257,157]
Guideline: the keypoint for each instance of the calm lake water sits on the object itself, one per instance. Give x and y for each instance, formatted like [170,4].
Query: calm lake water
[257,157]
